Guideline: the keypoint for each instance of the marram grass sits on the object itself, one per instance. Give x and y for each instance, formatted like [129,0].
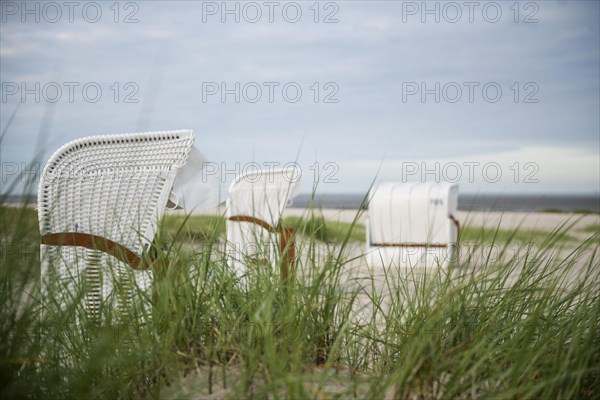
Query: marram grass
[523,325]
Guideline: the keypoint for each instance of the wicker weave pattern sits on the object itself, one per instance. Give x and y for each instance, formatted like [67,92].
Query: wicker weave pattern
[113,186]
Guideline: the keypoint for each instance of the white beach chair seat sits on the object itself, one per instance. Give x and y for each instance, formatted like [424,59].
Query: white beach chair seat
[254,208]
[412,224]
[99,202]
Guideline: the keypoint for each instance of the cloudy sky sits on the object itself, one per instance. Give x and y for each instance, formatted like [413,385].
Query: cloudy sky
[501,97]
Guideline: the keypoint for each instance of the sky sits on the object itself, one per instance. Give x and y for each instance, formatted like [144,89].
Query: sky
[500,97]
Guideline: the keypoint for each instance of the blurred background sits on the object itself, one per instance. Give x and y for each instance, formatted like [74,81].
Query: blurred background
[500,97]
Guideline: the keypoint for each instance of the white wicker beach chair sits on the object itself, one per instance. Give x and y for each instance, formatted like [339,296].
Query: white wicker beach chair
[99,201]
[412,225]
[255,234]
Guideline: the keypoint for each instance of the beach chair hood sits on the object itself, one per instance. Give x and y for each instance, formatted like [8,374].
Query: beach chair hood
[412,224]
[196,186]
[413,213]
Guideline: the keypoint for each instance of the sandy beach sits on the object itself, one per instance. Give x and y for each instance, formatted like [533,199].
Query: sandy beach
[507,220]
[504,220]
[579,227]
[380,279]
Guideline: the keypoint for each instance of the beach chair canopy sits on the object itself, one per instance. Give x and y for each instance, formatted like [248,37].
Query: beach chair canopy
[254,208]
[412,215]
[99,202]
[197,185]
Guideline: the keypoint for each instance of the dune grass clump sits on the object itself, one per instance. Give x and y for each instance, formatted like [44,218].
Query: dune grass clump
[593,228]
[325,230]
[193,228]
[504,236]
[526,325]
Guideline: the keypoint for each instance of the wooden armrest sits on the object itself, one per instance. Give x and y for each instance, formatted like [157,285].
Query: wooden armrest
[253,220]
[287,245]
[94,242]
[432,245]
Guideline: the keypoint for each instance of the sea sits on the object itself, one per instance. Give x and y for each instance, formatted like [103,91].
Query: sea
[466,202]
[473,202]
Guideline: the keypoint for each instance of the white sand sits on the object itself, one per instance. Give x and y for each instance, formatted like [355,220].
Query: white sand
[491,219]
